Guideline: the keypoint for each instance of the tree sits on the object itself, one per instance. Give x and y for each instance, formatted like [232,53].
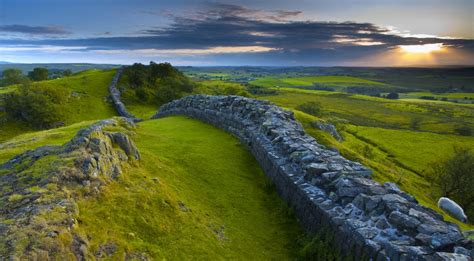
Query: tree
[455,178]
[38,106]
[67,73]
[38,74]
[12,76]
[392,95]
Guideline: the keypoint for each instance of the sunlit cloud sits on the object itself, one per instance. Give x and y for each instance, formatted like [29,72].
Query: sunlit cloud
[207,51]
[343,39]
[423,48]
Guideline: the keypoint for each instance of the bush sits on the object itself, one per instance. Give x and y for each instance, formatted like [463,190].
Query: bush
[392,96]
[415,123]
[40,107]
[463,130]
[312,108]
[455,178]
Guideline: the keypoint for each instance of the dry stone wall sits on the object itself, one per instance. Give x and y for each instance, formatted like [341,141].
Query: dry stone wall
[115,96]
[378,221]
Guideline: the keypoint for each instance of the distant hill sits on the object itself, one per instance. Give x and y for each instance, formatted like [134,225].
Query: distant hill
[74,67]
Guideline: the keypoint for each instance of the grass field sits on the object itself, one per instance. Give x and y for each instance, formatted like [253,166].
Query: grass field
[460,97]
[328,81]
[210,200]
[378,112]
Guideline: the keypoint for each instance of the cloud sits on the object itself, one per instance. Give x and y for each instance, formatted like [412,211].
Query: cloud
[34,30]
[268,37]
[40,48]
[213,50]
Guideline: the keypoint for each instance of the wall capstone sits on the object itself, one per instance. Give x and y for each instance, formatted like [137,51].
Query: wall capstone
[368,219]
[115,96]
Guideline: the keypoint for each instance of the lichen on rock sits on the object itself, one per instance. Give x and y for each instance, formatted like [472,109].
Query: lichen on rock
[39,187]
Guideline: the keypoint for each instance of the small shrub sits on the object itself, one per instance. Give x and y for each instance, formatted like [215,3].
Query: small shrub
[463,130]
[312,108]
[15,198]
[415,123]
[392,96]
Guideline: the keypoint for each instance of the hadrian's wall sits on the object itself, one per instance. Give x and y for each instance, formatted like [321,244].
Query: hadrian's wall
[115,96]
[325,189]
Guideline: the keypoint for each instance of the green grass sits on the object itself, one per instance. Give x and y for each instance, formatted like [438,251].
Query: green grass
[8,89]
[212,200]
[309,81]
[460,97]
[87,101]
[29,141]
[378,112]
[142,111]
[416,149]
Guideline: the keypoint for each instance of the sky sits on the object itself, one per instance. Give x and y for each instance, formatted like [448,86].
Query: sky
[246,32]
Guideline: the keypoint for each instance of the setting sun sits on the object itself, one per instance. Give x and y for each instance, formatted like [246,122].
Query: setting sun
[423,48]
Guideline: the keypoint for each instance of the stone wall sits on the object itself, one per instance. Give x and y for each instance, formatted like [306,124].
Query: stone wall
[369,219]
[115,96]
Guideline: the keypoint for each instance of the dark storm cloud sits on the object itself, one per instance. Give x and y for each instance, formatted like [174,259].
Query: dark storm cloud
[34,30]
[223,25]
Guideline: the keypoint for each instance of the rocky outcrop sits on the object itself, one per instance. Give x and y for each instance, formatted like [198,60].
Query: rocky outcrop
[38,190]
[329,128]
[115,96]
[368,219]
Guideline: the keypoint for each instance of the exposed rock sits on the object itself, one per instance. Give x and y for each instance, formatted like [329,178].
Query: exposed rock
[41,203]
[327,127]
[324,188]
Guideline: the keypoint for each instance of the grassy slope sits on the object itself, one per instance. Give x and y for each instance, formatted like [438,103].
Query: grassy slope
[232,212]
[309,81]
[378,112]
[87,102]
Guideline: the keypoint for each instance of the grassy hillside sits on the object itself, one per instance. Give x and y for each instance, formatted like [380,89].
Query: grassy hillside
[87,100]
[309,81]
[378,112]
[196,193]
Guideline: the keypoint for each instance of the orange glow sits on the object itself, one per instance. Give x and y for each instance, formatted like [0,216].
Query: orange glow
[421,49]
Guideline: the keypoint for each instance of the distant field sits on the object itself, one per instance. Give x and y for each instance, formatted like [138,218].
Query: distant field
[416,149]
[460,97]
[379,112]
[310,81]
